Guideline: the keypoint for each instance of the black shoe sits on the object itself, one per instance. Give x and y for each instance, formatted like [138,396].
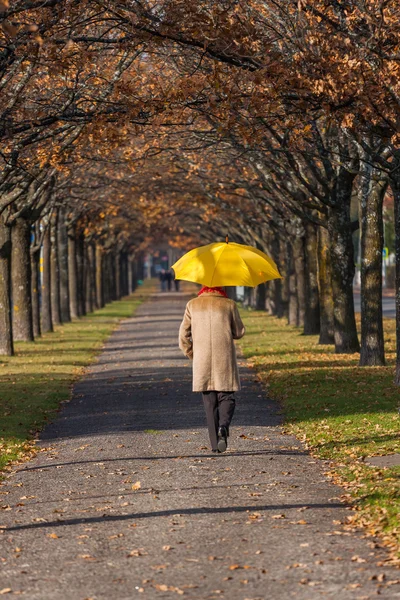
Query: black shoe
[222,439]
[217,451]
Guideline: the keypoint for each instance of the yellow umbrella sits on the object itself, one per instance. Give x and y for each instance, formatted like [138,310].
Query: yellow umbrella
[226,263]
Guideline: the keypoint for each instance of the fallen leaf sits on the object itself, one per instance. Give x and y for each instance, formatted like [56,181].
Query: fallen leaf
[53,536]
[136,486]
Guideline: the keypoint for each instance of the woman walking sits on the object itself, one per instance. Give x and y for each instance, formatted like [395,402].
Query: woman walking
[210,324]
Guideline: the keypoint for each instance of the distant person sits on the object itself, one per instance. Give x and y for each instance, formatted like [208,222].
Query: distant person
[168,277]
[163,280]
[177,284]
[210,324]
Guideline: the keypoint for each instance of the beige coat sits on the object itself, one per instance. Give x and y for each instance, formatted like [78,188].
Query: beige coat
[210,324]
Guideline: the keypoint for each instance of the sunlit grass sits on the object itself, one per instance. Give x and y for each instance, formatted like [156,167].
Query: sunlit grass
[35,381]
[342,411]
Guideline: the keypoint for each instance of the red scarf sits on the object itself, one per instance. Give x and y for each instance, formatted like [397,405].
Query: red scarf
[215,290]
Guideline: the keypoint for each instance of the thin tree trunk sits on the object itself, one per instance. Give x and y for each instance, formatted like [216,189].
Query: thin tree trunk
[35,282]
[55,271]
[130,275]
[117,274]
[89,278]
[395,185]
[372,342]
[261,296]
[21,281]
[72,273]
[63,267]
[293,314]
[325,288]
[284,264]
[343,268]
[6,334]
[299,267]
[47,320]
[80,262]
[106,277]
[270,306]
[312,309]
[99,277]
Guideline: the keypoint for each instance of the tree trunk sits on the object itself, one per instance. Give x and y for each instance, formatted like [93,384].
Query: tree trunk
[99,277]
[35,282]
[89,278]
[261,296]
[130,275]
[298,264]
[325,288]
[21,281]
[72,273]
[6,335]
[372,342]
[395,185]
[343,268]
[47,320]
[55,271]
[293,314]
[81,280]
[106,277]
[312,309]
[284,264]
[63,268]
[117,274]
[270,297]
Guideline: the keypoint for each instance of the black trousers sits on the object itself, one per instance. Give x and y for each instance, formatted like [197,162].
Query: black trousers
[219,407]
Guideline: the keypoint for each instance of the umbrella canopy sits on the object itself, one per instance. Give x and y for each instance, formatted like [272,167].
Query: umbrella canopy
[226,263]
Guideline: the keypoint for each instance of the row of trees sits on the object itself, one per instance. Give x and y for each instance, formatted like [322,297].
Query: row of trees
[270,121]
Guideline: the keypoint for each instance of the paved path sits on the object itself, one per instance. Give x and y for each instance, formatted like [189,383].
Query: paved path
[259,522]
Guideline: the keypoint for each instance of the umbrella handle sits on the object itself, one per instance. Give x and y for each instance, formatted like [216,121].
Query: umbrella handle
[227,239]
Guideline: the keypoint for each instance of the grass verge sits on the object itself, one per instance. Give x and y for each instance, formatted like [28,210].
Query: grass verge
[342,412]
[35,381]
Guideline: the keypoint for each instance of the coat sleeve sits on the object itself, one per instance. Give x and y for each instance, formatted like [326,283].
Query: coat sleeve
[185,334]
[237,324]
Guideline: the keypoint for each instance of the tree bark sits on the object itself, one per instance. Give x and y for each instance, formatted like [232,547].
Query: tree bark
[343,268]
[293,308]
[117,274]
[130,275]
[299,267]
[89,278]
[325,288]
[73,273]
[21,281]
[6,334]
[35,282]
[81,280]
[284,283]
[372,341]
[261,296]
[55,271]
[47,319]
[312,308]
[395,185]
[63,268]
[99,277]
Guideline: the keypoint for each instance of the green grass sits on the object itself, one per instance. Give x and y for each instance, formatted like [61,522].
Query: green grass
[35,381]
[342,412]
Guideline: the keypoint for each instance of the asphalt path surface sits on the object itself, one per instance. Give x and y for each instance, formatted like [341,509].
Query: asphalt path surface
[126,501]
